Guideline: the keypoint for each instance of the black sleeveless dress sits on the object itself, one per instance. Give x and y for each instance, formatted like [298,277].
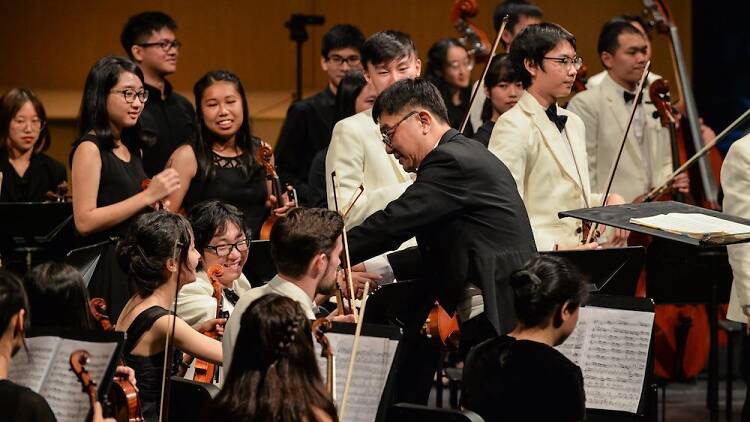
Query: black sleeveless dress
[234,184]
[148,369]
[118,181]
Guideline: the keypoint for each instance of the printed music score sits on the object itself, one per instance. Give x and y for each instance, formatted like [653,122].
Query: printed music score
[46,370]
[611,347]
[372,366]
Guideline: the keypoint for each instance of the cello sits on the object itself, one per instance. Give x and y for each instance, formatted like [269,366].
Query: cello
[207,372]
[122,397]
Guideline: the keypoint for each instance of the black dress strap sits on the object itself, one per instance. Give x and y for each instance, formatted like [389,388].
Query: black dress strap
[141,324]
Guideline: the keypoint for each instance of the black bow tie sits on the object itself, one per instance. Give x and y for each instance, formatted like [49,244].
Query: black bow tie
[231,296]
[629,97]
[559,121]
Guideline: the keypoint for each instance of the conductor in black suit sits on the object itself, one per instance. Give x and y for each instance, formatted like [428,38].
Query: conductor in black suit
[464,209]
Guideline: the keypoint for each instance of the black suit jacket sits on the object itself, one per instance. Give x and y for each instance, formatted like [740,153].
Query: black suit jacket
[469,221]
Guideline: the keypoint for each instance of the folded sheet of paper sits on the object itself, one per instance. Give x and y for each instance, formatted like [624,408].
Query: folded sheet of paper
[698,226]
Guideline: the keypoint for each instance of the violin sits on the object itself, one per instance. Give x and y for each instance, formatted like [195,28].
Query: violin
[319,329]
[60,194]
[474,39]
[207,372]
[78,361]
[122,397]
[159,205]
[442,328]
[345,262]
[264,156]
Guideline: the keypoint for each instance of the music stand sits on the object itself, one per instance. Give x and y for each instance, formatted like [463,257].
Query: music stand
[613,271]
[28,228]
[620,215]
[396,303]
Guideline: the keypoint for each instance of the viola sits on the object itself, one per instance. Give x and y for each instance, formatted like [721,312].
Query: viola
[474,39]
[264,156]
[159,205]
[442,327]
[319,329]
[122,397]
[207,372]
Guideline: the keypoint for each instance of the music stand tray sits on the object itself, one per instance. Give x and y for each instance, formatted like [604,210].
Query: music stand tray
[31,227]
[613,271]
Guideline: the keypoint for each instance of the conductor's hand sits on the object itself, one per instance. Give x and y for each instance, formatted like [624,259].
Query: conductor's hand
[162,185]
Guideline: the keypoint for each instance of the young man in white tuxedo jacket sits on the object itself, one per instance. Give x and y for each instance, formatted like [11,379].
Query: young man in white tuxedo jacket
[544,146]
[605,109]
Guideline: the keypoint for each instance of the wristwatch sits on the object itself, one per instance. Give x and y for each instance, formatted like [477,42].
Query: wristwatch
[746,310]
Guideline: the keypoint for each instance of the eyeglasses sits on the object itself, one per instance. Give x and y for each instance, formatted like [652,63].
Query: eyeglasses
[467,64]
[130,95]
[576,61]
[226,249]
[165,45]
[388,134]
[36,124]
[352,60]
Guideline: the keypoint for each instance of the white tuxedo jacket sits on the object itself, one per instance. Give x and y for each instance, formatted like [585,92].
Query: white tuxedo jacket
[605,115]
[735,180]
[550,172]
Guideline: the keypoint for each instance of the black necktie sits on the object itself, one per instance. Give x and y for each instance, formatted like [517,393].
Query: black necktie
[629,97]
[559,121]
[231,296]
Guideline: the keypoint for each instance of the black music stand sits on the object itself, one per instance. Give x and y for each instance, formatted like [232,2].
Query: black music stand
[620,215]
[612,271]
[29,228]
[396,303]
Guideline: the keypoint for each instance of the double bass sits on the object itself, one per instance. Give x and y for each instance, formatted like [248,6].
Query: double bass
[474,39]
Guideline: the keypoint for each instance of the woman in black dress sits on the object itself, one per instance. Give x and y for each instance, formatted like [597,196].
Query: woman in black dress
[107,173]
[449,69]
[220,163]
[28,173]
[520,376]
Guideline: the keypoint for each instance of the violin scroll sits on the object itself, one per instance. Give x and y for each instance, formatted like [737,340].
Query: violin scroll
[78,361]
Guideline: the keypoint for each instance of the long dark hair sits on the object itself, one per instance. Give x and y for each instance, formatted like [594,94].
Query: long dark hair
[10,103]
[275,375]
[12,298]
[58,297]
[203,139]
[437,59]
[350,87]
[93,115]
[149,244]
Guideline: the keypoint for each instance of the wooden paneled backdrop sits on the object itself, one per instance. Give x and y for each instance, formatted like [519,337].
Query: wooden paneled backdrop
[49,45]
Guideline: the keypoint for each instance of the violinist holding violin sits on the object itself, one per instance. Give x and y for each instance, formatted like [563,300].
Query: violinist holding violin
[647,158]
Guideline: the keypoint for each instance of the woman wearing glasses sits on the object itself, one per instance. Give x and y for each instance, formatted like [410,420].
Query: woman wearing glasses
[107,173]
[27,173]
[449,68]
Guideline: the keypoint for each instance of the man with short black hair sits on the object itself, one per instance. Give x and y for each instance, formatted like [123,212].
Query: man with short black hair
[544,146]
[309,123]
[305,246]
[471,226]
[646,160]
[168,118]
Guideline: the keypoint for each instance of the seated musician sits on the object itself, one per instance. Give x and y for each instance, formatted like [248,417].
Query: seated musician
[221,238]
[305,246]
[449,68]
[520,376]
[545,146]
[20,403]
[159,257]
[503,88]
[647,158]
[275,376]
[28,173]
[58,297]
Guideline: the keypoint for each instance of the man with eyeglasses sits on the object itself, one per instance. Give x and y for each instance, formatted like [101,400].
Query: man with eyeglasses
[544,146]
[471,227]
[309,122]
[168,118]
[605,109]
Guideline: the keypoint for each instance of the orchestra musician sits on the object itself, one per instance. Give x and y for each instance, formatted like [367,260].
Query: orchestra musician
[28,173]
[505,377]
[168,119]
[305,246]
[20,403]
[275,375]
[471,226]
[503,88]
[107,173]
[544,145]
[309,122]
[449,69]
[647,158]
[160,257]
[220,161]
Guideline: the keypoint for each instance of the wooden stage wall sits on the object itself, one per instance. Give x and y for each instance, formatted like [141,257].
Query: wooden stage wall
[49,45]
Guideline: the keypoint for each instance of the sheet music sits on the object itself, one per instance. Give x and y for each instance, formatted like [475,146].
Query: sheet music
[611,347]
[694,225]
[49,373]
[372,365]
